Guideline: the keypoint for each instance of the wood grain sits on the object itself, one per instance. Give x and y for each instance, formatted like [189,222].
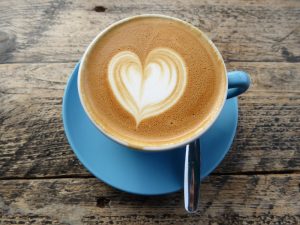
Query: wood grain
[60,30]
[272,199]
[33,142]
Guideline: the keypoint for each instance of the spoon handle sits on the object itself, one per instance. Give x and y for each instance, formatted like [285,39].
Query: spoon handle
[192,176]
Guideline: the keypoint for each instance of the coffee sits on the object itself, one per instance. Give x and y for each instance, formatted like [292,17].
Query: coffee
[152,81]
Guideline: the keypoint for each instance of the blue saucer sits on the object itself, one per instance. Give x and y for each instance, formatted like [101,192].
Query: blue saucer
[146,173]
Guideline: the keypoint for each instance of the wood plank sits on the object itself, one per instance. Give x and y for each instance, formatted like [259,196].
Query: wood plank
[33,143]
[60,30]
[268,132]
[263,199]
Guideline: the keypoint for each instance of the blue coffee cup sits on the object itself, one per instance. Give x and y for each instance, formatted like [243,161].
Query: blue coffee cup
[233,84]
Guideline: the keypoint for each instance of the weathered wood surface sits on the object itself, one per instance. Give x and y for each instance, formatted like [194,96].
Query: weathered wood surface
[271,199]
[59,31]
[34,145]
[42,182]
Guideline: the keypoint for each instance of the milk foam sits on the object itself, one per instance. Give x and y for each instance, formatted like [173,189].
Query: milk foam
[149,88]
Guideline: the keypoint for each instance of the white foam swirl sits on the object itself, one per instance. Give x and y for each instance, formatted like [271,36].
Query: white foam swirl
[150,88]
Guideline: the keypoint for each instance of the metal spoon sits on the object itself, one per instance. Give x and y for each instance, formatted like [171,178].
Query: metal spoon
[192,176]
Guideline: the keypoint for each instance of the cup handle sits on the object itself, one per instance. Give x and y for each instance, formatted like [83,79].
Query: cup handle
[238,83]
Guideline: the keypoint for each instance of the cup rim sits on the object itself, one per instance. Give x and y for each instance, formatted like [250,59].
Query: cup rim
[168,146]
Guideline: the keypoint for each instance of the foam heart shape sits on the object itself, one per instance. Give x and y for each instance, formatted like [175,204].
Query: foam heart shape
[149,88]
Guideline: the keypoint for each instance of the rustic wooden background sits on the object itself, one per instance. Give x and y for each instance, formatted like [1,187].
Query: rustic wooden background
[42,182]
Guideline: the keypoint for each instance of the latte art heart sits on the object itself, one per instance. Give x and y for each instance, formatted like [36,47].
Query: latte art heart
[149,88]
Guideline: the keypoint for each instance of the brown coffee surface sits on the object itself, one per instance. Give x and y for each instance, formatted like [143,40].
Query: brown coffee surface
[201,101]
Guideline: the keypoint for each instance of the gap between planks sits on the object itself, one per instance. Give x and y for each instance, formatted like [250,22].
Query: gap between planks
[246,173]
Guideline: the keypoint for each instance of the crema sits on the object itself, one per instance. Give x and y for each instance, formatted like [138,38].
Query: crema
[152,81]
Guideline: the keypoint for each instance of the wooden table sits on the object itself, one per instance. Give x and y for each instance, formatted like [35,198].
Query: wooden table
[41,180]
